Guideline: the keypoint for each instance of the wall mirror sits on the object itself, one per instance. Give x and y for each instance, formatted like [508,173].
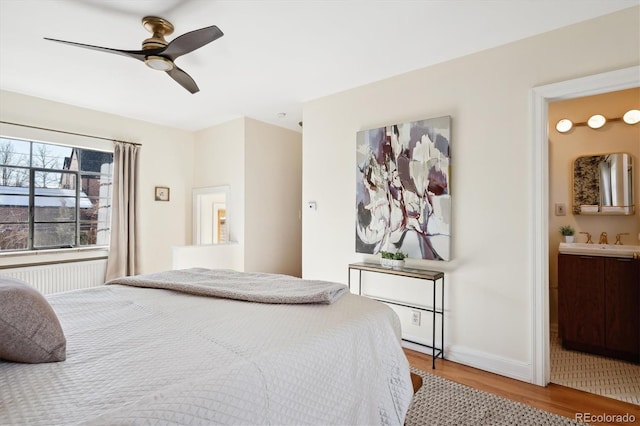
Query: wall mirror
[210,215]
[603,184]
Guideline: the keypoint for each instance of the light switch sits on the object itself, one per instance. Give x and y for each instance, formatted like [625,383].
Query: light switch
[311,205]
[561,209]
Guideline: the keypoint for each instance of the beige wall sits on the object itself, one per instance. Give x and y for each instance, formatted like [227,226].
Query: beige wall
[166,160]
[273,228]
[261,163]
[219,160]
[565,148]
[487,94]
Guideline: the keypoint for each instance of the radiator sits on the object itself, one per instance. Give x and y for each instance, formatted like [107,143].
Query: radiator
[57,277]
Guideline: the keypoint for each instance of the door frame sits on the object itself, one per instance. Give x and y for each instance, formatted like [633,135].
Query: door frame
[540,97]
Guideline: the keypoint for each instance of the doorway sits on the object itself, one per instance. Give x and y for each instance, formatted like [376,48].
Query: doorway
[210,215]
[540,98]
[578,181]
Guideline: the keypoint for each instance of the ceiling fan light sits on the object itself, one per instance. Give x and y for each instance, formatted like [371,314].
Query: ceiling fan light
[158,63]
[632,116]
[596,121]
[564,125]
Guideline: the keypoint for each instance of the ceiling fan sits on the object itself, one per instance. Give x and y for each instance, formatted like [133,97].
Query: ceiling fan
[159,54]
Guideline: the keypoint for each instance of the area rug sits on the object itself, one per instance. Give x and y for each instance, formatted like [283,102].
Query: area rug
[443,402]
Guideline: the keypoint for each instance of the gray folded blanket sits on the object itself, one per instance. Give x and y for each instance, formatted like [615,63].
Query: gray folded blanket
[248,286]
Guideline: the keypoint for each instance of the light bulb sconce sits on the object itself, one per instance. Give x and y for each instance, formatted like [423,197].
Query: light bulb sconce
[597,121]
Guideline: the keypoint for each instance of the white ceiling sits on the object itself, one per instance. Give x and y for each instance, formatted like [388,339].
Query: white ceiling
[274,55]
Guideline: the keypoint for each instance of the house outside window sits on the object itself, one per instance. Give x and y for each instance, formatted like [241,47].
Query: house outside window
[53,196]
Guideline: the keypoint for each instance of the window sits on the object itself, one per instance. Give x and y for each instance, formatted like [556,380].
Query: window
[53,196]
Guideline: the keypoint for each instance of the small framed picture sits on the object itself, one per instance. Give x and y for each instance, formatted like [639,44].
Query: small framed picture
[162,193]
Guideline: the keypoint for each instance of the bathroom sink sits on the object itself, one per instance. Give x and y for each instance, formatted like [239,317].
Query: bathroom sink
[609,250]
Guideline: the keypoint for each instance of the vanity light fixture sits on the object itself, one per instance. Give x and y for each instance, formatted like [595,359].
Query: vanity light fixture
[564,125]
[632,116]
[597,121]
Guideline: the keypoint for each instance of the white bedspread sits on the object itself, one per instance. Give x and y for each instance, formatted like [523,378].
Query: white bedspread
[137,355]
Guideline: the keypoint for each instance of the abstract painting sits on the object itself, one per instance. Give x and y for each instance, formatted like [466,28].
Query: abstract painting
[403,197]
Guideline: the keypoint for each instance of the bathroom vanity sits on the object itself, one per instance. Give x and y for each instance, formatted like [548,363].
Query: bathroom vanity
[599,299]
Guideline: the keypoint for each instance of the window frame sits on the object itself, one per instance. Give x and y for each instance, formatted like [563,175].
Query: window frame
[79,176]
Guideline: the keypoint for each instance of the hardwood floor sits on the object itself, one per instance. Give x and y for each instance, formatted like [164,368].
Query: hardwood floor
[553,398]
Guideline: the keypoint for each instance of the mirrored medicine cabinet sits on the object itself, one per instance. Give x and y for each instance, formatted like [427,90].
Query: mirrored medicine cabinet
[603,184]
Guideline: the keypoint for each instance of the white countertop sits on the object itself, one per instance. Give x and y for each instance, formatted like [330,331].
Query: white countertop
[607,250]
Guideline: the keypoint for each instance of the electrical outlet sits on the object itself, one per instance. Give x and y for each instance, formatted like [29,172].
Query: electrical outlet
[415,317]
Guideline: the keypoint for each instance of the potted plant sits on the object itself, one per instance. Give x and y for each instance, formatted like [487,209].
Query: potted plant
[567,231]
[392,260]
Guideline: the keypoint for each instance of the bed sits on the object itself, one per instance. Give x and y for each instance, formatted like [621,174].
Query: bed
[140,354]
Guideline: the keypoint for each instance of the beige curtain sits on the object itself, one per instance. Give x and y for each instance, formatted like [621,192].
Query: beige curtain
[124,249]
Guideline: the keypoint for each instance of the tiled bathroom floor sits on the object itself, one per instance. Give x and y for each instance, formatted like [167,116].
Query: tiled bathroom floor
[594,374]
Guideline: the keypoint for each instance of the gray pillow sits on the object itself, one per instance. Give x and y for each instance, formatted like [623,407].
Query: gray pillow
[29,329]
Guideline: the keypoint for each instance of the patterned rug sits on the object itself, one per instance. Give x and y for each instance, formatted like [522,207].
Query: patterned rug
[443,402]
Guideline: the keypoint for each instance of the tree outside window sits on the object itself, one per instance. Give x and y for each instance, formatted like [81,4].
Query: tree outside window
[53,196]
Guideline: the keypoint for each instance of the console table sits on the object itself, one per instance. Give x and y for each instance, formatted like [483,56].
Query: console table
[421,274]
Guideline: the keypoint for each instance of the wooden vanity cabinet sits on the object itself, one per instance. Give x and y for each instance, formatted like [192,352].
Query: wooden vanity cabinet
[581,301]
[599,305]
[622,292]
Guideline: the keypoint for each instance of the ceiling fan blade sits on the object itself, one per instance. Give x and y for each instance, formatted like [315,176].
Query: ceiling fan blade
[191,41]
[136,54]
[183,79]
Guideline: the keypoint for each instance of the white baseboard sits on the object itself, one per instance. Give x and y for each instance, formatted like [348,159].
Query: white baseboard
[484,361]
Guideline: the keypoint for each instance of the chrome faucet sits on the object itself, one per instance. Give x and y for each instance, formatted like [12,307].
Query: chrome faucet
[603,238]
[618,242]
[588,237]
